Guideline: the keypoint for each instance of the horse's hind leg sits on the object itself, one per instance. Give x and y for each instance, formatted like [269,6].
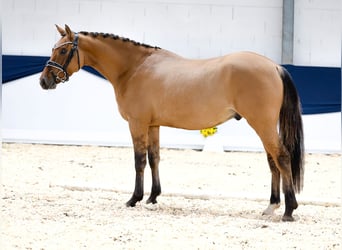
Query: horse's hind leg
[153,159]
[284,163]
[275,189]
[280,158]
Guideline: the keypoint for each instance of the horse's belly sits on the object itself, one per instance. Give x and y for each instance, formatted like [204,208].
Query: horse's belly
[195,119]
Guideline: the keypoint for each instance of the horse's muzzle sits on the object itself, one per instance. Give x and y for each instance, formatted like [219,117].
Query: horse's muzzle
[45,83]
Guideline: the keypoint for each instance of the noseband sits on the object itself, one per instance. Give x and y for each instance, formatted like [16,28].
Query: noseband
[62,74]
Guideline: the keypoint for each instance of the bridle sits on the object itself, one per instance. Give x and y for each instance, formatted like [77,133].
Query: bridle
[62,74]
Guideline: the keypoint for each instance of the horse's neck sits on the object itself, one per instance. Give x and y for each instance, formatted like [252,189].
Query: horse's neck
[114,59]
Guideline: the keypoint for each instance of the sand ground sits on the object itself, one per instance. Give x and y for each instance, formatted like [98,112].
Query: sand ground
[73,197]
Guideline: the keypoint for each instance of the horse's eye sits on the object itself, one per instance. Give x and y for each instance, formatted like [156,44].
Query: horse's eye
[63,51]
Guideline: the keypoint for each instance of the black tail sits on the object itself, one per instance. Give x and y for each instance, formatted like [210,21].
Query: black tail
[291,129]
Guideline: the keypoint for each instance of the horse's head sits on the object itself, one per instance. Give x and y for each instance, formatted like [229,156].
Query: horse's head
[64,61]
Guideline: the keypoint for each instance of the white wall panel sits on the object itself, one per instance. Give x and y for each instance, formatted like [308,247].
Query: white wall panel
[317,33]
[191,28]
[196,29]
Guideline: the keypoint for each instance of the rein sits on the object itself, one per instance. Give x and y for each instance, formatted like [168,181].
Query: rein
[62,74]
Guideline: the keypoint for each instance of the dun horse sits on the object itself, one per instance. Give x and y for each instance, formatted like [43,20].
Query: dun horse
[155,87]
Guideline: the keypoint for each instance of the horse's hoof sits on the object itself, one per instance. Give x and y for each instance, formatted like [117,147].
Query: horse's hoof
[151,200]
[270,209]
[134,199]
[287,218]
[130,204]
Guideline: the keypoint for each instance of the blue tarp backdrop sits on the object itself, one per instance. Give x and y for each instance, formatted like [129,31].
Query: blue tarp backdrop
[319,87]
[16,67]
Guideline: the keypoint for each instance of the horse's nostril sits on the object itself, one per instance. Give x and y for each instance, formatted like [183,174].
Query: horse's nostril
[43,83]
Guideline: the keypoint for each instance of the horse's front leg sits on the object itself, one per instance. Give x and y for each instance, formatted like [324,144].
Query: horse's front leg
[153,159]
[139,137]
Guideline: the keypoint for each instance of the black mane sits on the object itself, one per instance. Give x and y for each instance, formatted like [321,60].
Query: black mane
[116,37]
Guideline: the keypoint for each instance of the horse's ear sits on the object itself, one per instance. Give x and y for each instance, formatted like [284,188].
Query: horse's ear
[60,30]
[69,33]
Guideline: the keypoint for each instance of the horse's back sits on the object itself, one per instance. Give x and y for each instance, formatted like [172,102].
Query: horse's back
[169,67]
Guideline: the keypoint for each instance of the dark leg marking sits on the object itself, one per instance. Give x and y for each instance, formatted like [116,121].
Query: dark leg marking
[138,194]
[286,173]
[290,205]
[275,189]
[153,159]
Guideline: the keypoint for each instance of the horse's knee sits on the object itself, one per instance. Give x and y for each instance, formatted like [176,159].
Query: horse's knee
[153,146]
[153,157]
[140,161]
